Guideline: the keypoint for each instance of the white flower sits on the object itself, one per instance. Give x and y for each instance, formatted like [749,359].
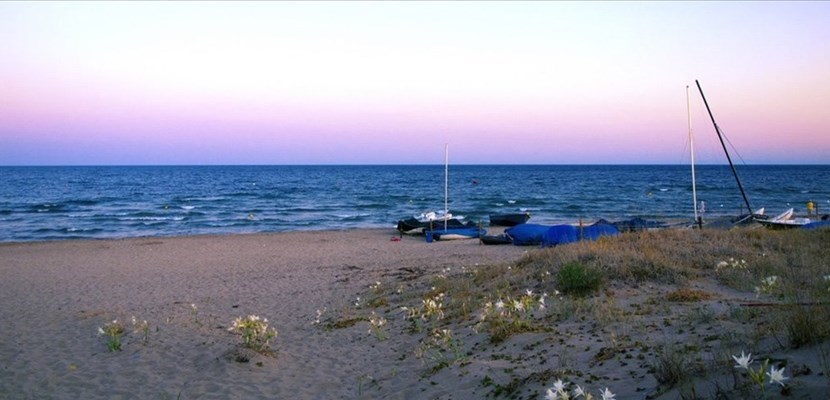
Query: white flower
[559,386]
[529,292]
[319,316]
[578,391]
[551,395]
[518,306]
[607,395]
[776,375]
[100,331]
[743,361]
[499,305]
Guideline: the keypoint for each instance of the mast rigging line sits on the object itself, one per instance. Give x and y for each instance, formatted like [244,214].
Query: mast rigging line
[723,144]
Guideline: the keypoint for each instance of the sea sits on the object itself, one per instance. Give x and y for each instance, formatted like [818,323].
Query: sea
[110,202]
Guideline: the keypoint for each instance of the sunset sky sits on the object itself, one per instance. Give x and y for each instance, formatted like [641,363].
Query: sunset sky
[134,83]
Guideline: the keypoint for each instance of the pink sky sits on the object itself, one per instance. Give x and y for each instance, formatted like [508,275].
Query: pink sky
[391,82]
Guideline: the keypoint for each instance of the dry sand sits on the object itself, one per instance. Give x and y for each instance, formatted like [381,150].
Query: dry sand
[55,295]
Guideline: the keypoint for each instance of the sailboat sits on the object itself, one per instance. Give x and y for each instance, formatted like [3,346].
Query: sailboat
[432,222]
[752,215]
[442,230]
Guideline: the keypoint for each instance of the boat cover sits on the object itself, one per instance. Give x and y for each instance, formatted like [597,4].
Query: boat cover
[560,234]
[527,234]
[816,225]
[599,229]
[546,236]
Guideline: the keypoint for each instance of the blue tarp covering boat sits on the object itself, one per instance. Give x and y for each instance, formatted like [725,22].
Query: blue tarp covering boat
[560,234]
[816,225]
[527,234]
[599,229]
[544,235]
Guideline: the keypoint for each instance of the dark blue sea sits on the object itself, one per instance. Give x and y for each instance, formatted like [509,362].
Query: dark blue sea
[54,203]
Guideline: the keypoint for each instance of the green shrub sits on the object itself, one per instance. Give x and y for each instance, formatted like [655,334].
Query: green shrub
[575,278]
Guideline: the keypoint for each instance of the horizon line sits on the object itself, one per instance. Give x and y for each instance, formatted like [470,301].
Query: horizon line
[400,165]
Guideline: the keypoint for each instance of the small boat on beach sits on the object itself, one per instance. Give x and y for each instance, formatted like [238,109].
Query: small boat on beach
[418,224]
[457,233]
[785,220]
[496,239]
[430,220]
[511,219]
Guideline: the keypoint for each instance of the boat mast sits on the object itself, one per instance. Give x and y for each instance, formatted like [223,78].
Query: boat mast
[446,183]
[698,221]
[734,172]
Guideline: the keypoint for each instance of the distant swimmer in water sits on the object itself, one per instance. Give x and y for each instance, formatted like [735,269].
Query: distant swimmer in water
[251,216]
[475,181]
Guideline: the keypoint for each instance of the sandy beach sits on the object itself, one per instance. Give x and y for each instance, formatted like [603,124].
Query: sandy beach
[55,296]
[319,290]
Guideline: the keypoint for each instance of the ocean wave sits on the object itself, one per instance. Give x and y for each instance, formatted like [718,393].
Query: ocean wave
[148,218]
[126,202]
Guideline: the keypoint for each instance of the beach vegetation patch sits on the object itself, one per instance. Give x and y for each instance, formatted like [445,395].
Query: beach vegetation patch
[376,296]
[344,323]
[441,349]
[427,314]
[141,327]
[254,331]
[671,366]
[508,316]
[759,377]
[112,331]
[377,327]
[578,279]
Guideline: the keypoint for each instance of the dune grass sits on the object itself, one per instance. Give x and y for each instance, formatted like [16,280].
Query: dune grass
[771,289]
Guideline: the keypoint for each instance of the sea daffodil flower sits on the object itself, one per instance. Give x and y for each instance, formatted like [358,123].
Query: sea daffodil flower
[607,395]
[743,361]
[776,375]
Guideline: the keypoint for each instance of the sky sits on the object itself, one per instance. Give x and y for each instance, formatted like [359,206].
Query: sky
[205,83]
